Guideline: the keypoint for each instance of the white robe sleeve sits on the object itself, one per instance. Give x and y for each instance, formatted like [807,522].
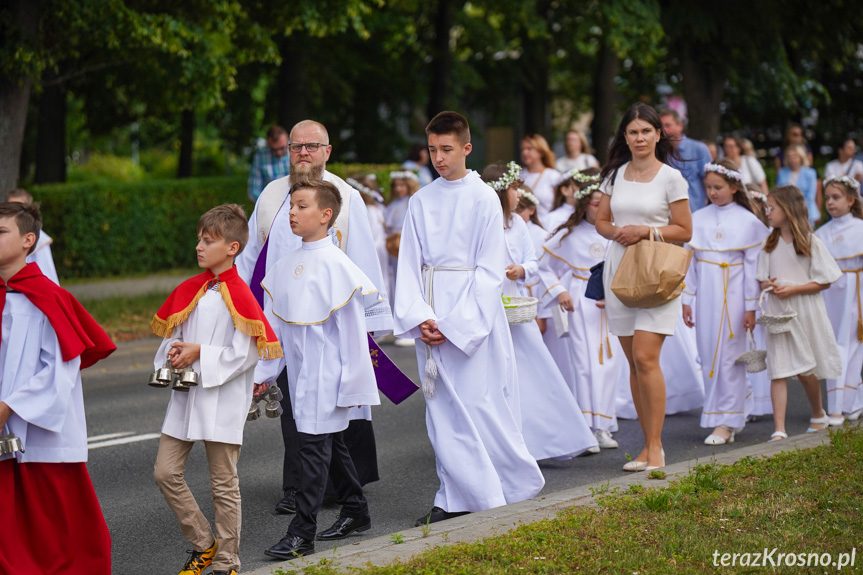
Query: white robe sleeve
[529,263]
[249,256]
[411,309]
[361,250]
[823,269]
[690,288]
[357,385]
[751,286]
[266,371]
[762,272]
[470,320]
[162,353]
[43,400]
[550,272]
[220,365]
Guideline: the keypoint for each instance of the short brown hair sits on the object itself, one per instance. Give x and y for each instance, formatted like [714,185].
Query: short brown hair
[327,195]
[227,222]
[20,195]
[450,123]
[27,218]
[276,132]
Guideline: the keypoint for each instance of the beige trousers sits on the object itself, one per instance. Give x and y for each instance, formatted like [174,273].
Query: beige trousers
[169,474]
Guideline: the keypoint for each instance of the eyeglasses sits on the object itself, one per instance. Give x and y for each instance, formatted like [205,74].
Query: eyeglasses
[311,147]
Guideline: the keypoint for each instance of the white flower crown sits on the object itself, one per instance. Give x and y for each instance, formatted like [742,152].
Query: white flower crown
[844,180]
[528,196]
[757,196]
[365,190]
[512,174]
[723,171]
[577,175]
[404,175]
[594,187]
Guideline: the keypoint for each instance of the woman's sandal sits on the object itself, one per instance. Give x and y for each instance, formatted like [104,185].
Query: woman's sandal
[777,436]
[825,421]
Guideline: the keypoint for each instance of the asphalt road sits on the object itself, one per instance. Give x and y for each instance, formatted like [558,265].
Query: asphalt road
[124,416]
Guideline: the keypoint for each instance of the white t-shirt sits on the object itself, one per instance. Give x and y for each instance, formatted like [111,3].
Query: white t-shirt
[582,162]
[851,168]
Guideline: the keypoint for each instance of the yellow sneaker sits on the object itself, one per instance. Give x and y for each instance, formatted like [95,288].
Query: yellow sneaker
[199,560]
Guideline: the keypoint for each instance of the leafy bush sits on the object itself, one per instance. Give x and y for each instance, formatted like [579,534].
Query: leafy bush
[106,167]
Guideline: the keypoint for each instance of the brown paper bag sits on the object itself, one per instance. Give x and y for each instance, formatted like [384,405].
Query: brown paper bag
[650,273]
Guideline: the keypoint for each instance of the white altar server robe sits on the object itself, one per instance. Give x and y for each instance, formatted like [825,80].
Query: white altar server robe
[480,454]
[43,391]
[42,257]
[550,413]
[216,408]
[844,240]
[320,322]
[721,287]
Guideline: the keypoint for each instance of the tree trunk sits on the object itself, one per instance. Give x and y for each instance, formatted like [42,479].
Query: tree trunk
[703,88]
[441,65]
[15,96]
[292,81]
[534,74]
[187,140]
[51,133]
[604,92]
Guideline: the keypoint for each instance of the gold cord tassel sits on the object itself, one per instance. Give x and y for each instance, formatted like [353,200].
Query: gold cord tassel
[600,353]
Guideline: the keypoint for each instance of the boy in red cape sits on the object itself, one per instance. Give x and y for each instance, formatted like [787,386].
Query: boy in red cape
[51,519]
[212,324]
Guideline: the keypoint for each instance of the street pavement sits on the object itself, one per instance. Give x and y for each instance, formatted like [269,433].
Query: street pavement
[124,416]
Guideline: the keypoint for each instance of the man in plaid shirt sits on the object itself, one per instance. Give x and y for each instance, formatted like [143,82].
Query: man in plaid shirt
[271,163]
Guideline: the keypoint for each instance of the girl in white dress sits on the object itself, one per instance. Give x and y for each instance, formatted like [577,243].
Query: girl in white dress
[551,418]
[574,248]
[795,267]
[722,289]
[403,184]
[565,191]
[539,172]
[843,236]
[642,193]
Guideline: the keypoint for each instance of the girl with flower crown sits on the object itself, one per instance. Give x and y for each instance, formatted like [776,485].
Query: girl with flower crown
[843,236]
[526,210]
[565,191]
[597,358]
[551,422]
[722,291]
[403,184]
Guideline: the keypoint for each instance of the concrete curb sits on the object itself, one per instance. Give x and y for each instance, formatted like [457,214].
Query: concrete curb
[476,526]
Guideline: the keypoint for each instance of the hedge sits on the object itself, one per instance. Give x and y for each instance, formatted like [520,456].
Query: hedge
[104,229]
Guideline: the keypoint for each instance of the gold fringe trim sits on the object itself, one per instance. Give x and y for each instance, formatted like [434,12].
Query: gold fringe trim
[251,327]
[165,327]
[269,349]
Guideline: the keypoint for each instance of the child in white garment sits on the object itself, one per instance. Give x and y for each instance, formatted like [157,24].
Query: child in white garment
[795,267]
[211,324]
[722,291]
[843,236]
[597,357]
[550,415]
[316,298]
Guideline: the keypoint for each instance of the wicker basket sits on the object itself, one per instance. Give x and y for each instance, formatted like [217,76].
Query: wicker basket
[775,324]
[519,309]
[755,359]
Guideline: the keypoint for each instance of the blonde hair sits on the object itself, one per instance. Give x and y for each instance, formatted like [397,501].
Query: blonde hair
[585,147]
[790,200]
[800,150]
[541,145]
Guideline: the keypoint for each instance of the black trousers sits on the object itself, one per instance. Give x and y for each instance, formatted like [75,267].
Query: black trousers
[359,438]
[318,456]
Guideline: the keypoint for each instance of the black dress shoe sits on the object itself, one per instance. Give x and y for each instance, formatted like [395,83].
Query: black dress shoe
[290,547]
[344,526]
[437,514]
[288,504]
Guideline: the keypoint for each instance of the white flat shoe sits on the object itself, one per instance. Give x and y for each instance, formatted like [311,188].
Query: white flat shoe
[825,421]
[593,450]
[854,415]
[604,439]
[719,440]
[635,466]
[835,421]
[777,436]
[652,467]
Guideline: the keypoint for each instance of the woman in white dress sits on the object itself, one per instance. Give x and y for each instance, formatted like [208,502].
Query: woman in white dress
[539,172]
[640,192]
[843,236]
[578,156]
[796,266]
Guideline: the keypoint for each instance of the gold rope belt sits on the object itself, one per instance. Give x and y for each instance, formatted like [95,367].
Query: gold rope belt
[726,276]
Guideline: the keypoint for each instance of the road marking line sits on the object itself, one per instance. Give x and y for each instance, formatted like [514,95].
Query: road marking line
[109,436]
[123,440]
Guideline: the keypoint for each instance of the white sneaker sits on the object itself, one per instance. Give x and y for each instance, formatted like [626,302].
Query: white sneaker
[404,342]
[594,450]
[604,439]
[854,416]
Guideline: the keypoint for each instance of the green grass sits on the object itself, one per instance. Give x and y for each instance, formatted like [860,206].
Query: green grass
[806,501]
[125,318]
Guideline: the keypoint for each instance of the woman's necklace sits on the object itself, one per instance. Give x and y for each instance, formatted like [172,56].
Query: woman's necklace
[640,175]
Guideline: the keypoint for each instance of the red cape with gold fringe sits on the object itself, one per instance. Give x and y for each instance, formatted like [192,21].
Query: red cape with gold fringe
[245,311]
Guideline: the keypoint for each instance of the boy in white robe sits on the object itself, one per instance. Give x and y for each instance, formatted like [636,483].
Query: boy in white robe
[212,324]
[51,519]
[317,298]
[448,294]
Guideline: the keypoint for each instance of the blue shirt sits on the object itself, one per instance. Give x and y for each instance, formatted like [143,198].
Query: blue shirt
[694,154]
[266,167]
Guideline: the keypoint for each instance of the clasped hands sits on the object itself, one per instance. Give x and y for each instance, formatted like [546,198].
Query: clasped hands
[430,334]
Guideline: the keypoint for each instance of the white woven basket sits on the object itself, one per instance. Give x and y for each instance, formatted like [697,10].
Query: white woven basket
[755,359]
[775,324]
[519,309]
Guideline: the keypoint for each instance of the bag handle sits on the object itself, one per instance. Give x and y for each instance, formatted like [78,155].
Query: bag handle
[761,299]
[655,235]
[751,340]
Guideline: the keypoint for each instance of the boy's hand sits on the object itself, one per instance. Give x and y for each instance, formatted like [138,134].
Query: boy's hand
[183,354]
[514,271]
[260,389]
[431,335]
[749,320]
[565,302]
[687,316]
[5,412]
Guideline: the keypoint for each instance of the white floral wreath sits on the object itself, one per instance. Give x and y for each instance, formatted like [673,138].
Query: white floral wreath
[577,175]
[594,187]
[757,196]
[844,180]
[528,196]
[512,174]
[365,190]
[404,175]
[723,171]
